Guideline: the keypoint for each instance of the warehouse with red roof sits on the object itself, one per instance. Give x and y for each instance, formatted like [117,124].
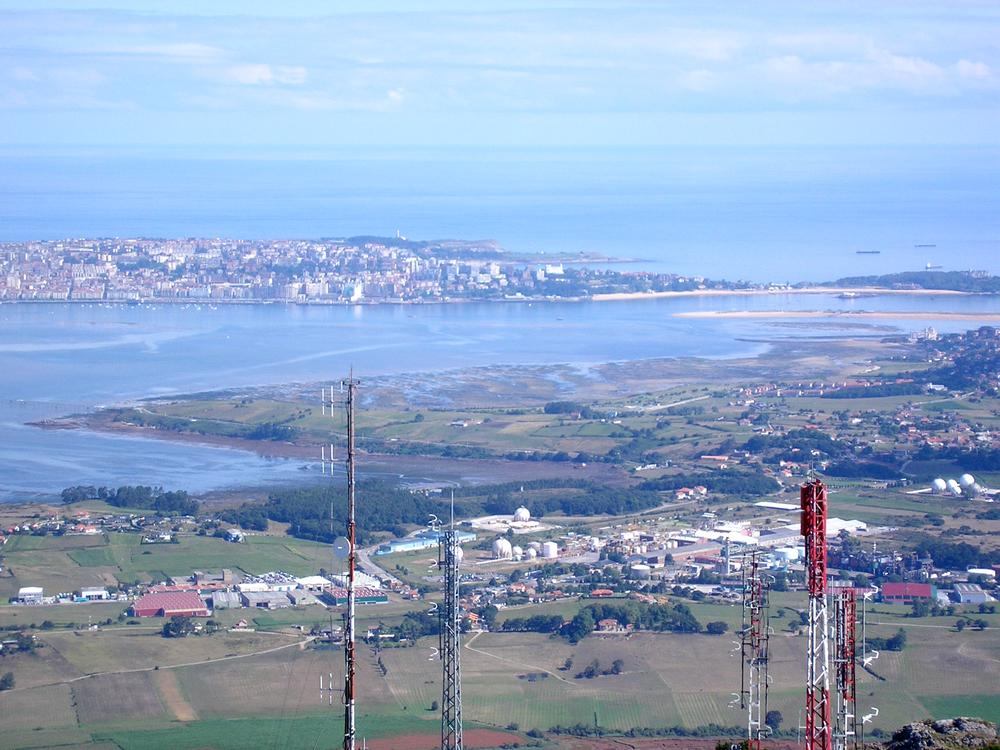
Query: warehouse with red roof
[170,604]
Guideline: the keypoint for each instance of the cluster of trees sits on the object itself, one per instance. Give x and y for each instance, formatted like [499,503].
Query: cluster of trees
[593,670]
[868,469]
[978,459]
[705,730]
[571,407]
[135,496]
[729,481]
[795,445]
[416,625]
[896,642]
[534,624]
[252,517]
[307,511]
[675,618]
[960,281]
[876,391]
[583,498]
[270,431]
[955,555]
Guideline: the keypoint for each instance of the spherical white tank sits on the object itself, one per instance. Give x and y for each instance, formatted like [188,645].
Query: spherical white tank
[550,550]
[967,480]
[522,514]
[502,550]
[939,485]
[954,487]
[517,552]
[531,553]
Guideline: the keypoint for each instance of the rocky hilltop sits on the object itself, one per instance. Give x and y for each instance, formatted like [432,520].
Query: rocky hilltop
[945,734]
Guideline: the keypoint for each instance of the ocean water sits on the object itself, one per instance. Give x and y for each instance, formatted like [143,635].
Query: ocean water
[770,214]
[793,214]
[64,358]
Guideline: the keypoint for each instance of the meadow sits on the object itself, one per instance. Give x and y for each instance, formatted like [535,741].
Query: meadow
[144,690]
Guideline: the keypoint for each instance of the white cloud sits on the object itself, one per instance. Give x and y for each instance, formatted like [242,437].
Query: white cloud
[175,51]
[970,69]
[257,74]
[696,80]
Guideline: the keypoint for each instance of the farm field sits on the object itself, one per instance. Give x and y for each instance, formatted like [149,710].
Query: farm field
[667,680]
[69,563]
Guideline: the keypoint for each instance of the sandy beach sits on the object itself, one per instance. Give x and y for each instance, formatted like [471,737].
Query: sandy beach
[865,291]
[850,314]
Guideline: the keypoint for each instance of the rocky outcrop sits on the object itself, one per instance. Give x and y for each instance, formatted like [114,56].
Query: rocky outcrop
[945,734]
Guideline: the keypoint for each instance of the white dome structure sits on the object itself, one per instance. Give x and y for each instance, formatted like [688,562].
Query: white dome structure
[967,480]
[531,553]
[537,546]
[939,485]
[517,552]
[954,488]
[502,550]
[522,515]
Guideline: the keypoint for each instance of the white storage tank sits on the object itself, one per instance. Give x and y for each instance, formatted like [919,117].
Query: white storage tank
[550,550]
[502,550]
[641,571]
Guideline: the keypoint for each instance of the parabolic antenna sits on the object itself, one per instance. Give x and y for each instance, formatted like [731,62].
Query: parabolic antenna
[341,547]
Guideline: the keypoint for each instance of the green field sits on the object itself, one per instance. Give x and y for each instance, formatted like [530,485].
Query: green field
[69,563]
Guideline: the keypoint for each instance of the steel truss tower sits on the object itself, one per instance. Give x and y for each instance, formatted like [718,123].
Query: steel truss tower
[350,385]
[450,643]
[845,652]
[754,648]
[813,527]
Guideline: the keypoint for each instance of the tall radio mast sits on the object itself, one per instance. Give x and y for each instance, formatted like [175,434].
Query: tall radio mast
[350,385]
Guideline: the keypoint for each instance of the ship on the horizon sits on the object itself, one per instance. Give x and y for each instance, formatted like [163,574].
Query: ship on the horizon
[925,245]
[868,252]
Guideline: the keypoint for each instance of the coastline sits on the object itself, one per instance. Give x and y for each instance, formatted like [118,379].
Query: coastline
[866,290]
[605,297]
[849,314]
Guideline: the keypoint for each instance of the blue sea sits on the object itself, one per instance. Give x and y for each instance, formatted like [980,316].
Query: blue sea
[793,214]
[766,214]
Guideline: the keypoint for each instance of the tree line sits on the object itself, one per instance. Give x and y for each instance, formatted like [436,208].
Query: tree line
[135,496]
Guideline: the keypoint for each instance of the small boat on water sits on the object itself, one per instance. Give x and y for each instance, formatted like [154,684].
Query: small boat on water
[867,252]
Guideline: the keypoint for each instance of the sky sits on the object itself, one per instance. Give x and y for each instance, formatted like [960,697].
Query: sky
[199,75]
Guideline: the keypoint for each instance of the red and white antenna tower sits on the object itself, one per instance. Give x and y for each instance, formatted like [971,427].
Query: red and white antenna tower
[814,512]
[754,649]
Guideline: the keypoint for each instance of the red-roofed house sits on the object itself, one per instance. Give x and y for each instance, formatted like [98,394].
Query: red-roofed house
[170,604]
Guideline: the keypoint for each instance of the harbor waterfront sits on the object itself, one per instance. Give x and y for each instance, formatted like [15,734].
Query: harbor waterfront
[58,359]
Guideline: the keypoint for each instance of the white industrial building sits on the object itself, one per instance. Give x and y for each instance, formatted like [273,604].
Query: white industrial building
[30,594]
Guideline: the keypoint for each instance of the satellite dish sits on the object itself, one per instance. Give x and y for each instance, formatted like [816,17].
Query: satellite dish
[341,547]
